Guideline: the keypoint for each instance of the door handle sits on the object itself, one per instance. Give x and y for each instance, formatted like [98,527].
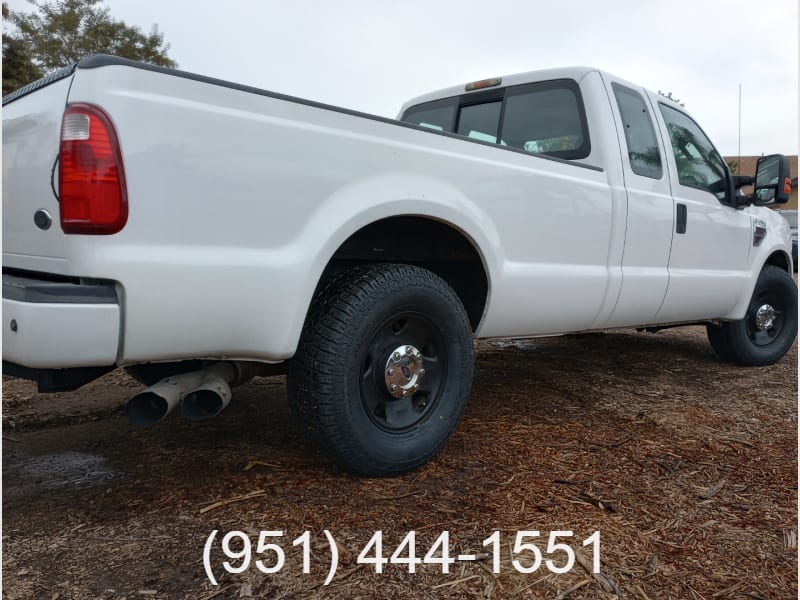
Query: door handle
[680,223]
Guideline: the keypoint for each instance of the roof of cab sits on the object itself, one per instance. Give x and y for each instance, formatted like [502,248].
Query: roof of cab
[576,73]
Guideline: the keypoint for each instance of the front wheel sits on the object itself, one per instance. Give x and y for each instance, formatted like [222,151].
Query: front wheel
[384,366]
[768,329]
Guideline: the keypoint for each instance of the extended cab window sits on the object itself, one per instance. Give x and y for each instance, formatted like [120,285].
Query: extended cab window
[640,137]
[546,118]
[698,162]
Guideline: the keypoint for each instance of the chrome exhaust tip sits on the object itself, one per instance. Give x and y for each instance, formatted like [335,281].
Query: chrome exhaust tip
[152,404]
[203,394]
[207,401]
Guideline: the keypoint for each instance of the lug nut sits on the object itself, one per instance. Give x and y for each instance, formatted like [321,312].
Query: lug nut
[421,372]
[394,387]
[396,356]
[390,372]
[409,351]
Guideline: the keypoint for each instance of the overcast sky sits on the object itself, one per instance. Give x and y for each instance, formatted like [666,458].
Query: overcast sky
[373,55]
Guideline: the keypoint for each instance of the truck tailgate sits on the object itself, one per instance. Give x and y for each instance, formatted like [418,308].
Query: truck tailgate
[31,133]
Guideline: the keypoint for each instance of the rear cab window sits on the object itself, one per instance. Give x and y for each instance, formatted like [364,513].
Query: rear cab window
[439,115]
[546,118]
[480,121]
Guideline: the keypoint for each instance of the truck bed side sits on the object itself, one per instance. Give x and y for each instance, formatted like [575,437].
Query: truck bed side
[238,199]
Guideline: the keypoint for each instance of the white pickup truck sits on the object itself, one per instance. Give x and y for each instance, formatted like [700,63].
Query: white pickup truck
[197,232]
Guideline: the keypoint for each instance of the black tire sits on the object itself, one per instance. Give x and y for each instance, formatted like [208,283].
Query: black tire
[753,343]
[337,381]
[151,373]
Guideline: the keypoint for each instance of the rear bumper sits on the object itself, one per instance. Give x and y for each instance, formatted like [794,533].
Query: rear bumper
[59,324]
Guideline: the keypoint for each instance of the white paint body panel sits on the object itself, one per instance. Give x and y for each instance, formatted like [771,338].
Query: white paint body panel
[237,201]
[52,336]
[31,133]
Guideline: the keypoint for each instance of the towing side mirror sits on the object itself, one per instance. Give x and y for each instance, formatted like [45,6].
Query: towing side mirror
[773,180]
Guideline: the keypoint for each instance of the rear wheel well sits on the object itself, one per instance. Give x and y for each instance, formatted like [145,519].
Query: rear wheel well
[420,241]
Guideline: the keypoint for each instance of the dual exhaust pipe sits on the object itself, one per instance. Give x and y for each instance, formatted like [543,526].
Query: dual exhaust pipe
[202,395]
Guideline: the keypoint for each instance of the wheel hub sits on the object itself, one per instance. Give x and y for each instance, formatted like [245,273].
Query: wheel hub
[403,371]
[765,317]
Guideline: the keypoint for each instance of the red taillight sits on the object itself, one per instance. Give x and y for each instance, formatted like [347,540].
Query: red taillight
[91,180]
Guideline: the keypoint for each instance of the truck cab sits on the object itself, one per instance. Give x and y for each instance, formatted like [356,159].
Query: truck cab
[673,219]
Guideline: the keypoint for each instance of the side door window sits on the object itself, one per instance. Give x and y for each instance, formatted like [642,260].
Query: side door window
[640,136]
[698,163]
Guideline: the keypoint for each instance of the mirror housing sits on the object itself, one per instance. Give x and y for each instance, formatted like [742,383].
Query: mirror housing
[773,182]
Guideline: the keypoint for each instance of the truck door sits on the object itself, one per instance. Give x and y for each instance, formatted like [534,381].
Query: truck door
[649,224]
[708,262]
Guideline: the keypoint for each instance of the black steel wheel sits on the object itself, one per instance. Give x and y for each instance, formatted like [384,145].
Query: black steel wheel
[766,316]
[404,367]
[769,327]
[383,369]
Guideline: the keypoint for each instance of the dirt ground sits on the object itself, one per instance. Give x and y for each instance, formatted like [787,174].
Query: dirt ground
[687,466]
